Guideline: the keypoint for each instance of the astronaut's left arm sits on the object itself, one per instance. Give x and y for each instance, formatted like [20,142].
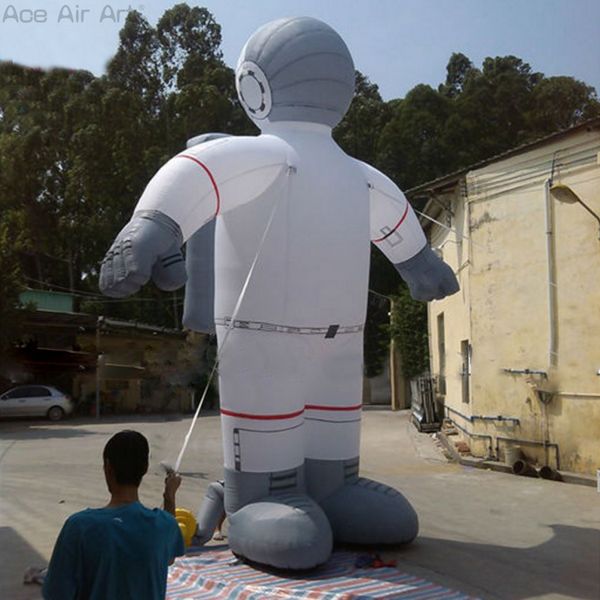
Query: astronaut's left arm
[396,231]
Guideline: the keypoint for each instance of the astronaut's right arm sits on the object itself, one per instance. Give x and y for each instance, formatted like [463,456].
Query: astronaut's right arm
[396,231]
[187,192]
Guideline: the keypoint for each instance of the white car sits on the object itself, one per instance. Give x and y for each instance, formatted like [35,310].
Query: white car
[35,401]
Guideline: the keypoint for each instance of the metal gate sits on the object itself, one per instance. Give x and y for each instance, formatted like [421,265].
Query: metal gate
[424,413]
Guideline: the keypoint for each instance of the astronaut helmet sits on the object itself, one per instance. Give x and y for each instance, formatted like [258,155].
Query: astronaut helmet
[295,69]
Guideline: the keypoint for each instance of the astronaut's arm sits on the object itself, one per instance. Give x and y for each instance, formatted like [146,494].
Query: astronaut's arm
[212,178]
[396,231]
[187,192]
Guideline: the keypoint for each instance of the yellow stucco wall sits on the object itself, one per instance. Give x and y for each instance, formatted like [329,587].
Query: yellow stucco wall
[505,307]
[454,248]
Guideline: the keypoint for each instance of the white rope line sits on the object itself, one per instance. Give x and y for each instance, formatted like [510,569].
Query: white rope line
[462,235]
[230,327]
[396,199]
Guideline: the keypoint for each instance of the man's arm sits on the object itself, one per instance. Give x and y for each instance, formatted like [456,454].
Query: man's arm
[172,483]
[62,581]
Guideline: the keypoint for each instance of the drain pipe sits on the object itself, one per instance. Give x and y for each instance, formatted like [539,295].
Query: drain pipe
[527,371]
[530,443]
[475,435]
[551,260]
[547,472]
[523,468]
[473,418]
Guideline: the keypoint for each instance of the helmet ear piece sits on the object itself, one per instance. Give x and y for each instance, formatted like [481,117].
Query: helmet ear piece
[253,90]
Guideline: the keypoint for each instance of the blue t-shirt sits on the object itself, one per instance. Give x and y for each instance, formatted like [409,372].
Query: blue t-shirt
[113,554]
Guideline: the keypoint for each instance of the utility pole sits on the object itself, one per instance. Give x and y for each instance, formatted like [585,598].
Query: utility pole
[175,312]
[395,403]
[99,363]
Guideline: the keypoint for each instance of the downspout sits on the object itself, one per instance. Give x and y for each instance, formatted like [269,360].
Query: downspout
[551,260]
[552,300]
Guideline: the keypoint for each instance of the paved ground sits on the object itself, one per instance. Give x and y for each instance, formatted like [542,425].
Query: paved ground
[486,533]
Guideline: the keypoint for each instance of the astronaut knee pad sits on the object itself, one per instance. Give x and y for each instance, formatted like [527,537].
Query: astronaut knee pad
[210,512]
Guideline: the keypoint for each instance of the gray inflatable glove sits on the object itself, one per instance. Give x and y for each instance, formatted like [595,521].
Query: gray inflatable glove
[428,276]
[149,245]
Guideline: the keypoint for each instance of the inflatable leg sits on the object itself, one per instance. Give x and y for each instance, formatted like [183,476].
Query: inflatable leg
[359,510]
[271,519]
[210,513]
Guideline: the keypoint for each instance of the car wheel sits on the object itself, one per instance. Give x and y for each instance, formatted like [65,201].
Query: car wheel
[56,413]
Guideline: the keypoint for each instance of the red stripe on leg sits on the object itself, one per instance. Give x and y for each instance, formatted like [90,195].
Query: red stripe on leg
[230,413]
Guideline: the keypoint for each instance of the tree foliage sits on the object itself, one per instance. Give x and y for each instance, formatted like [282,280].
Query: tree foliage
[77,150]
[408,326]
[11,282]
[476,114]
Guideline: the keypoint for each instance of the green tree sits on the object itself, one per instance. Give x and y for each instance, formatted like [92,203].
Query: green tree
[202,94]
[458,71]
[136,66]
[559,103]
[77,151]
[11,282]
[412,145]
[408,326]
[358,133]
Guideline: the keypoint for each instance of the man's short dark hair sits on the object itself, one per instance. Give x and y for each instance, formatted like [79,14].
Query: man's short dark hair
[127,453]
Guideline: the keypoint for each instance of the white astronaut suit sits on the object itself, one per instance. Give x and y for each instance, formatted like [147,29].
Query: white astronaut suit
[291,372]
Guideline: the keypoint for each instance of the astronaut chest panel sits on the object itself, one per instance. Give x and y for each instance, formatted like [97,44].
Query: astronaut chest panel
[316,248]
[319,220]
[327,217]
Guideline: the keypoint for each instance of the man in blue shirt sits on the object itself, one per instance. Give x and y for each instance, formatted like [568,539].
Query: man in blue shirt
[121,551]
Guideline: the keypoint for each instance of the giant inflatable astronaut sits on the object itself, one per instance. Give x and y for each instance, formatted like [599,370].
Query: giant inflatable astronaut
[291,373]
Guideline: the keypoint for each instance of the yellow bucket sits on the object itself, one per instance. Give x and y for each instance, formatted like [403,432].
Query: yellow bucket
[187,524]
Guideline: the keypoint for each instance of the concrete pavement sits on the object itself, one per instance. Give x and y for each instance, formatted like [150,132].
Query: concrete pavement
[490,534]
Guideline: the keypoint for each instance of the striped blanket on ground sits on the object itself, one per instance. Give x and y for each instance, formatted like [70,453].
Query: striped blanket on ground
[216,573]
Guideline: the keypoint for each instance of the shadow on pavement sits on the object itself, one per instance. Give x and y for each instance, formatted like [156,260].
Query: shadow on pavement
[194,474]
[34,428]
[37,432]
[17,555]
[567,564]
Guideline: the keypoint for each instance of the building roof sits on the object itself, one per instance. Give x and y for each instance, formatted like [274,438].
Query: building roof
[452,178]
[84,322]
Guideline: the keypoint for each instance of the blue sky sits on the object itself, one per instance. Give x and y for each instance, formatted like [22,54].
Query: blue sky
[397,43]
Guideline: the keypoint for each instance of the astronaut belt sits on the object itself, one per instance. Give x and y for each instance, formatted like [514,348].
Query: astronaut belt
[328,332]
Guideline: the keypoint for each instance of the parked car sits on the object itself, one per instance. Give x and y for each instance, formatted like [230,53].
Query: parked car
[35,401]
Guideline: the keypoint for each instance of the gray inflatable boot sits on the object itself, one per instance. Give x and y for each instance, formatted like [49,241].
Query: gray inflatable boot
[360,511]
[210,513]
[273,522]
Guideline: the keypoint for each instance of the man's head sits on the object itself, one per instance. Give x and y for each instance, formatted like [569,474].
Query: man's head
[126,458]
